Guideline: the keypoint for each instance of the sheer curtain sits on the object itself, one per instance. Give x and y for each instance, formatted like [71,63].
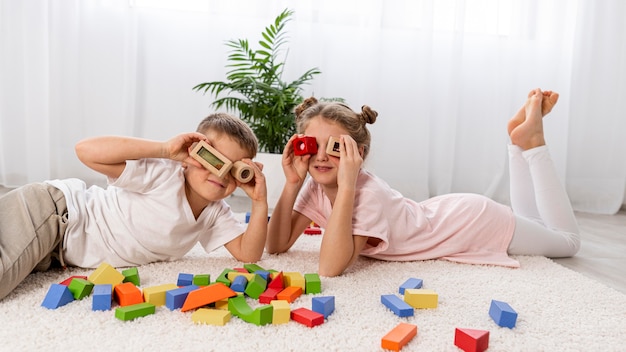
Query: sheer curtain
[444,75]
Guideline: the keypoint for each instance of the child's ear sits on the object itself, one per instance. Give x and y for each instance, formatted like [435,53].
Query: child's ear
[362,150]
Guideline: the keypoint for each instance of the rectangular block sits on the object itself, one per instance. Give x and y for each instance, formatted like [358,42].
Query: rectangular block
[174,299]
[399,336]
[134,311]
[282,312]
[471,340]
[413,283]
[290,293]
[157,294]
[101,297]
[211,316]
[503,314]
[313,283]
[421,298]
[307,317]
[397,306]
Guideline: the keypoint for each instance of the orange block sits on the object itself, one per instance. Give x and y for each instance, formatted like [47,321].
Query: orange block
[399,336]
[290,294]
[127,294]
[207,295]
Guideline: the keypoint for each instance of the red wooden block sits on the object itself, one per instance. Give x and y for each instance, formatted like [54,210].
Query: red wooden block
[242,270]
[277,281]
[269,295]
[470,340]
[307,317]
[312,231]
[399,336]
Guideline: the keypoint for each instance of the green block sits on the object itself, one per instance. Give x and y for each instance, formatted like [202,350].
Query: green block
[202,280]
[256,286]
[313,283]
[223,278]
[131,275]
[252,268]
[80,288]
[240,308]
[135,311]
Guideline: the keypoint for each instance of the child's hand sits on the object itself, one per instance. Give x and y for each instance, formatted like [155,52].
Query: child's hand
[295,167]
[178,147]
[256,189]
[350,162]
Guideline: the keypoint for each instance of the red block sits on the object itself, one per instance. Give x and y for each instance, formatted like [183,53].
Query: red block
[277,281]
[67,281]
[269,295]
[470,340]
[307,317]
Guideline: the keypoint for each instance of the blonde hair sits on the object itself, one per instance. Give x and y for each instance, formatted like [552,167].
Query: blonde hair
[233,127]
[341,114]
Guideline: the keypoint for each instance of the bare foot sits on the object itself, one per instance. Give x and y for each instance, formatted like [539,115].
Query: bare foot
[549,101]
[529,133]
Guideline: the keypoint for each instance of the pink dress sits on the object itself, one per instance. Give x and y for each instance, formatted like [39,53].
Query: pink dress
[464,227]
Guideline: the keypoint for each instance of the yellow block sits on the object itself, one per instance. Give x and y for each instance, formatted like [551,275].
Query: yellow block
[421,298]
[281,313]
[211,316]
[156,294]
[106,274]
[222,304]
[233,274]
[294,278]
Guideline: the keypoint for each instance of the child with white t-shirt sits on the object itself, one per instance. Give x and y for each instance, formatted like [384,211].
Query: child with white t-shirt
[158,204]
[362,215]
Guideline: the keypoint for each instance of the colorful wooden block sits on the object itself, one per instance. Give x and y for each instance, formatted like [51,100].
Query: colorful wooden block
[58,295]
[399,336]
[397,305]
[269,295]
[131,275]
[256,286]
[239,283]
[185,279]
[312,283]
[413,283]
[106,274]
[135,311]
[290,293]
[276,281]
[324,305]
[210,316]
[293,278]
[80,288]
[174,299]
[223,277]
[421,298]
[67,281]
[101,297]
[307,317]
[260,316]
[502,314]
[157,294]
[264,274]
[282,312]
[233,274]
[471,340]
[206,295]
[127,294]
[253,268]
[202,279]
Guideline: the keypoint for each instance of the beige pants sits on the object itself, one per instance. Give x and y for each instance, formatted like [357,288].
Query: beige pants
[33,220]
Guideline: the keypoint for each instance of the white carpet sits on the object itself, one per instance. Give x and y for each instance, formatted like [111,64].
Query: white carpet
[558,310]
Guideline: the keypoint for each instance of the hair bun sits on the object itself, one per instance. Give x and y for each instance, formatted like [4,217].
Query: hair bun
[368,115]
[307,103]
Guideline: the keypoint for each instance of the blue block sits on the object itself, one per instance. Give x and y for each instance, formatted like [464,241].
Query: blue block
[239,284]
[410,283]
[264,274]
[324,305]
[58,295]
[175,298]
[247,217]
[502,314]
[102,297]
[398,306]
[184,279]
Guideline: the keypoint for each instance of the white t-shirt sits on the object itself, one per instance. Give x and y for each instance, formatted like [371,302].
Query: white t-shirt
[467,228]
[142,216]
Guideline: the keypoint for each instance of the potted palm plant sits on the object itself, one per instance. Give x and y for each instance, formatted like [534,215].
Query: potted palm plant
[255,89]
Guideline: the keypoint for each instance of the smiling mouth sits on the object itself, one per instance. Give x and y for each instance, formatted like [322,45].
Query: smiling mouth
[215,183]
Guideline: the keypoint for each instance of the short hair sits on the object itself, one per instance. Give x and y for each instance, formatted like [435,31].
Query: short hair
[233,127]
[341,114]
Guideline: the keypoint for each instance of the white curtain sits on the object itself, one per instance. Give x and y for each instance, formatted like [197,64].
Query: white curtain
[444,75]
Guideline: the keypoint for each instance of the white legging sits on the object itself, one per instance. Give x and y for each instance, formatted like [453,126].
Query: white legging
[544,219]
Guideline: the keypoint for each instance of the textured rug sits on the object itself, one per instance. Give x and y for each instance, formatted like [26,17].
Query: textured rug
[558,310]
